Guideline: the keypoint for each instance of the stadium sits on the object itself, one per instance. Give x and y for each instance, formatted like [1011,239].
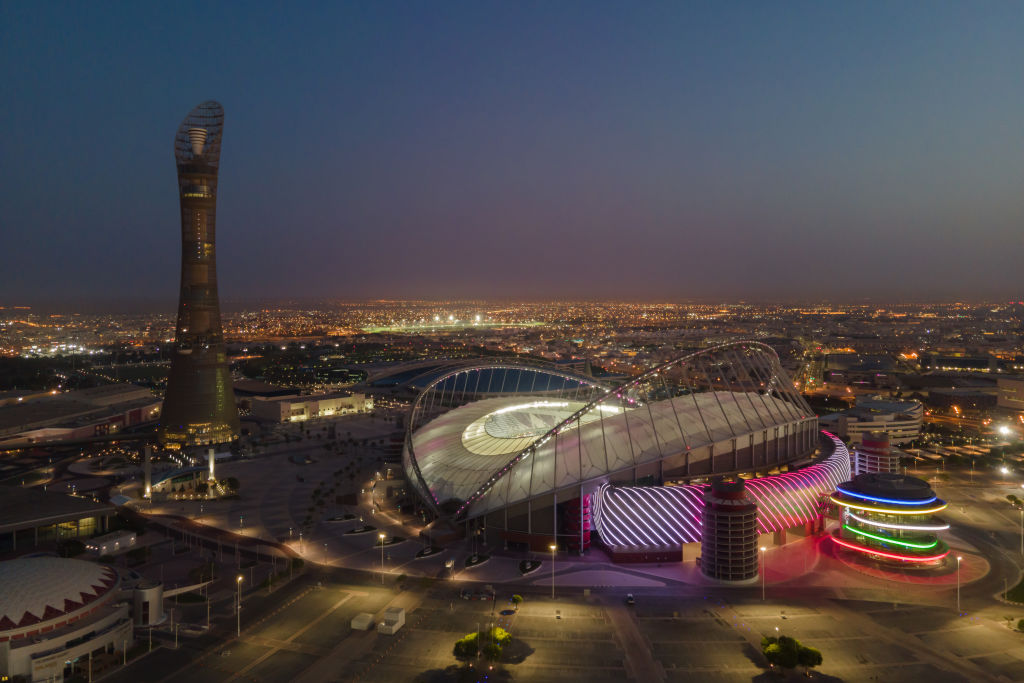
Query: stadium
[529,453]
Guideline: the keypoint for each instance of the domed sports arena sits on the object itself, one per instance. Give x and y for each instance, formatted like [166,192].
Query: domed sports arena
[533,453]
[57,612]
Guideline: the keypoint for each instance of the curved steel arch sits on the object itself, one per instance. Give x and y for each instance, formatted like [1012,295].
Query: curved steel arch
[483,362]
[618,393]
[480,364]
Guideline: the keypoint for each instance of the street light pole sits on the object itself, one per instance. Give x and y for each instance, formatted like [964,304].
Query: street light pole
[238,608]
[381,537]
[763,549]
[552,548]
[958,558]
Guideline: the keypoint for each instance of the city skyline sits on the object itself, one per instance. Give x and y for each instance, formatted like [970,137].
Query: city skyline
[525,152]
[574,341]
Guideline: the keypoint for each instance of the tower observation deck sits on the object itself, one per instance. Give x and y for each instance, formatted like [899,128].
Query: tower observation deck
[199,407]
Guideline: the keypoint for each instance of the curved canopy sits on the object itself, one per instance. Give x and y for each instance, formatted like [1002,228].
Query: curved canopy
[487,451]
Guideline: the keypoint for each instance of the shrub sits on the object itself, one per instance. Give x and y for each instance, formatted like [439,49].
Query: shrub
[527,566]
[808,657]
[1020,625]
[466,646]
[788,653]
[500,636]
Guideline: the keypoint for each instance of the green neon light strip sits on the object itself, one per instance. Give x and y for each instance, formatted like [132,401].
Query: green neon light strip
[895,541]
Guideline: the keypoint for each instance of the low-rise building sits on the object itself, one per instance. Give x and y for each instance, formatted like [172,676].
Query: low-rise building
[301,408]
[76,414]
[29,517]
[1011,393]
[900,420]
[111,544]
[392,621]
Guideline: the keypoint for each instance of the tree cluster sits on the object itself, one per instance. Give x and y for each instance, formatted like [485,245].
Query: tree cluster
[492,643]
[789,653]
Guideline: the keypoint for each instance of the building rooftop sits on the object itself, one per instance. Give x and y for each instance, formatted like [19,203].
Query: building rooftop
[22,508]
[73,407]
[252,387]
[890,486]
[44,588]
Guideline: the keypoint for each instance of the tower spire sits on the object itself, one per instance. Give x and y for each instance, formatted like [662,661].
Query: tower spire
[199,407]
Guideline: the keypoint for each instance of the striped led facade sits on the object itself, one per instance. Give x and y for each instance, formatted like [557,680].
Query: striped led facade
[889,517]
[668,516]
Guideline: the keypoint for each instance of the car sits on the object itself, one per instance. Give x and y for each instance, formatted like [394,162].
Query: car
[630,600]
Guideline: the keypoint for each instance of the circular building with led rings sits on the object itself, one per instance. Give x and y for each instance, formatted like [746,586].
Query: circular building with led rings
[891,518]
[532,453]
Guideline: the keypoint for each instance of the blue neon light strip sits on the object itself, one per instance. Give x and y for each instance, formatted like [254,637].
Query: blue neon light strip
[886,500]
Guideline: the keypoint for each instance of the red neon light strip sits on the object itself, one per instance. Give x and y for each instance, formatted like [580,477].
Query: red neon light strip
[894,556]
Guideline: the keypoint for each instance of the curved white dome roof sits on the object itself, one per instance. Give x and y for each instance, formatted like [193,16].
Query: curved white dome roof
[37,589]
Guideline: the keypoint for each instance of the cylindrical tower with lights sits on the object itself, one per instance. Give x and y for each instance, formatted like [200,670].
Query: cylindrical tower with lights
[729,534]
[875,454]
[891,518]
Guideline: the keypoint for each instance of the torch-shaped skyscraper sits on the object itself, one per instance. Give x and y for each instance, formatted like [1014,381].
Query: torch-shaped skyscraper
[199,407]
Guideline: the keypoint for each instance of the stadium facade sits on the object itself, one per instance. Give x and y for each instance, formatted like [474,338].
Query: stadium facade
[531,453]
[199,407]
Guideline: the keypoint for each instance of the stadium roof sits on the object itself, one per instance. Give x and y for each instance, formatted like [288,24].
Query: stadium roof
[491,452]
[39,589]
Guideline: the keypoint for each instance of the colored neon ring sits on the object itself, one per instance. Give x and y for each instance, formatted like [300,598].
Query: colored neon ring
[908,527]
[840,489]
[886,510]
[872,551]
[895,541]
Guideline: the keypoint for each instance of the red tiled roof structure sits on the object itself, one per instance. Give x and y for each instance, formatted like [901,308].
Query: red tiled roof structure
[42,589]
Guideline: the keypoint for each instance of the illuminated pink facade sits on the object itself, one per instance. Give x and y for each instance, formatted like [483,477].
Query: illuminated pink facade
[656,520]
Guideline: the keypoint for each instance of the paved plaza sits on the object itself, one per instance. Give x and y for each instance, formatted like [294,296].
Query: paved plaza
[870,623]
[668,635]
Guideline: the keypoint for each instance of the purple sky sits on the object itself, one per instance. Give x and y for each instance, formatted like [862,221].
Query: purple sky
[668,151]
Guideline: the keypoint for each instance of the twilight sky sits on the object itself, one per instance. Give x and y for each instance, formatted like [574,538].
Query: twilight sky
[661,151]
